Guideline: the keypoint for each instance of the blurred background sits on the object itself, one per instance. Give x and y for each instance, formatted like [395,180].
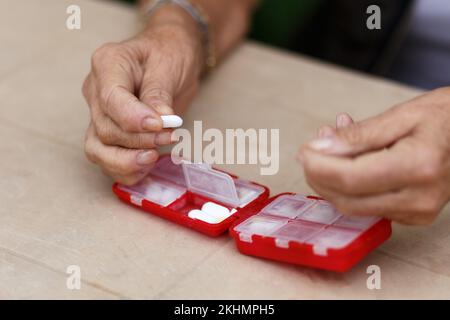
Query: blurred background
[413,45]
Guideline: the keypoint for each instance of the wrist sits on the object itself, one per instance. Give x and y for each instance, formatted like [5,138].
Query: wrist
[172,14]
[176,25]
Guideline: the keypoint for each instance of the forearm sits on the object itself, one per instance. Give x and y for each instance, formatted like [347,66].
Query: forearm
[228,20]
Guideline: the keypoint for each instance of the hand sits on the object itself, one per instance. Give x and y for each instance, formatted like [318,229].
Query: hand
[131,84]
[395,165]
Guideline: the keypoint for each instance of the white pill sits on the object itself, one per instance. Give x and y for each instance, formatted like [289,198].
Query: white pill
[171,121]
[215,210]
[203,216]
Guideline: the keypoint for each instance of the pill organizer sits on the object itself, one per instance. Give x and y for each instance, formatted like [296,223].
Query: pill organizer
[288,227]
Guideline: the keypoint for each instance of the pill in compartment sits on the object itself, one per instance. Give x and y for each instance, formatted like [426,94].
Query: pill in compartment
[203,216]
[219,212]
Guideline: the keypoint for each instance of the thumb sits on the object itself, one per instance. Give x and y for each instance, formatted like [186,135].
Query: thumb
[157,92]
[371,134]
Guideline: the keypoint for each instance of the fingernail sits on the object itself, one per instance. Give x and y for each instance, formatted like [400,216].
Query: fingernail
[320,133]
[330,145]
[163,138]
[164,109]
[151,124]
[321,144]
[145,158]
[174,137]
[325,132]
[343,120]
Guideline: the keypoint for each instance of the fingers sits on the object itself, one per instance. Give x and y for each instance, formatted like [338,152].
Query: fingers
[343,120]
[126,164]
[109,133]
[409,206]
[117,76]
[373,172]
[129,113]
[372,205]
[128,180]
[326,131]
[371,134]
[158,86]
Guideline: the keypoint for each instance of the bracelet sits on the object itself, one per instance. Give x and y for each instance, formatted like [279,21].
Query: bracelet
[200,16]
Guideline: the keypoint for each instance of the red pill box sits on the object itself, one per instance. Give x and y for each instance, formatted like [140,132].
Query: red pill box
[297,229]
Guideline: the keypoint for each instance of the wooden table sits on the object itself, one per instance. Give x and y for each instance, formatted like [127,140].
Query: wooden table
[58,210]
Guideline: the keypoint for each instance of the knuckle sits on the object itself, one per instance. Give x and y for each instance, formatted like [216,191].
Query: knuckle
[138,141]
[104,133]
[127,125]
[430,167]
[156,93]
[353,134]
[89,151]
[146,140]
[129,122]
[427,207]
[129,118]
[104,51]
[122,165]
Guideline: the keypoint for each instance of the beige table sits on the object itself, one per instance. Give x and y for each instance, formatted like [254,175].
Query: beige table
[57,210]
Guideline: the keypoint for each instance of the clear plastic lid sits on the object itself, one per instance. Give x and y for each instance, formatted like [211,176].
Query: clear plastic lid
[288,206]
[216,185]
[320,212]
[260,225]
[332,238]
[247,191]
[166,169]
[154,189]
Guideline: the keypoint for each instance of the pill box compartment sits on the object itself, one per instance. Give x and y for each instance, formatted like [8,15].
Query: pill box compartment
[172,190]
[308,231]
[289,227]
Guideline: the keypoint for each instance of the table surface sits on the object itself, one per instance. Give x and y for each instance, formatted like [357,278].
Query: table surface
[57,210]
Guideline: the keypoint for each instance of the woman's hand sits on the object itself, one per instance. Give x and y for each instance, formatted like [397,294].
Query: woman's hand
[131,84]
[395,165]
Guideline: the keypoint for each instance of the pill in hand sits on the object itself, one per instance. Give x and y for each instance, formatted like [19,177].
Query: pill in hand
[171,121]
